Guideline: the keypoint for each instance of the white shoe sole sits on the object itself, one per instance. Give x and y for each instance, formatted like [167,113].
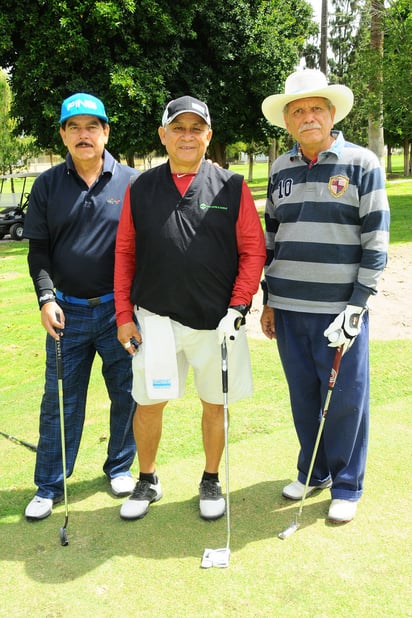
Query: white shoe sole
[210,510]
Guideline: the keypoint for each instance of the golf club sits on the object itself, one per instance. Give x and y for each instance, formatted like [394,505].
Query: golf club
[18,441]
[63,532]
[332,380]
[220,557]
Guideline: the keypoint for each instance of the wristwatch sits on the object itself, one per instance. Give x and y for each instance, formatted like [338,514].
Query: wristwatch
[243,309]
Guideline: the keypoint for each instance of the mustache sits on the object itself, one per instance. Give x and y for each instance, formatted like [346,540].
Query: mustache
[308,126]
[83,143]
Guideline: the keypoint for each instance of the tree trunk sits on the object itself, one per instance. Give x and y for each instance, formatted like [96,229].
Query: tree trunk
[217,152]
[375,121]
[272,153]
[389,160]
[324,38]
[250,170]
[405,156]
[130,158]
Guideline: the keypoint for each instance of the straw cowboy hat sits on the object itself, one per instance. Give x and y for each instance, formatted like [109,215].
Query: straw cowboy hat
[302,85]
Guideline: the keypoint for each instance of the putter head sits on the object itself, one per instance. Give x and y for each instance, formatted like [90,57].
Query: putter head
[215,558]
[63,537]
[289,530]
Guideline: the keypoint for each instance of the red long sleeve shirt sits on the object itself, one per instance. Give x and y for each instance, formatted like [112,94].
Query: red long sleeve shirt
[250,245]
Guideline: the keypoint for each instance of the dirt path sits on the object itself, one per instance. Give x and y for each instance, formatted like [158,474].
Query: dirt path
[390,309]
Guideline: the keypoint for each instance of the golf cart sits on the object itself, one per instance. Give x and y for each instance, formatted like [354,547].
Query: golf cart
[14,203]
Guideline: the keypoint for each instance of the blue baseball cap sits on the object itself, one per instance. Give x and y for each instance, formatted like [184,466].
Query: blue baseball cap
[82,103]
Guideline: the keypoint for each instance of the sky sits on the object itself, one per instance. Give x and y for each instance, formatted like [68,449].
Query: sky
[317,8]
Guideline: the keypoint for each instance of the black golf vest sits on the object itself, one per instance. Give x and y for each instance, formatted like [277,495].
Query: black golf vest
[186,250]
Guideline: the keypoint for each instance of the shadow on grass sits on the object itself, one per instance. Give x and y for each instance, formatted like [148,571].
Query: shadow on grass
[170,531]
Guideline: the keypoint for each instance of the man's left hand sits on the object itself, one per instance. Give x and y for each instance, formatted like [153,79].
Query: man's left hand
[345,327]
[229,325]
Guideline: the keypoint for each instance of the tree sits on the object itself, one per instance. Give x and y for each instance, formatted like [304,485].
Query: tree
[136,55]
[241,52]
[376,80]
[14,150]
[397,85]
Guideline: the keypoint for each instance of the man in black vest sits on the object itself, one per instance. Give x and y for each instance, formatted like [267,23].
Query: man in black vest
[189,256]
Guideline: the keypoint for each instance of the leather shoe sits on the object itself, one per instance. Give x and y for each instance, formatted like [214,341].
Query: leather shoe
[294,491]
[40,508]
[122,485]
[342,511]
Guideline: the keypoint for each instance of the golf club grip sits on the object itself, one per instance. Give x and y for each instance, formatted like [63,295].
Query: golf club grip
[335,367]
[332,379]
[58,351]
[59,359]
[224,367]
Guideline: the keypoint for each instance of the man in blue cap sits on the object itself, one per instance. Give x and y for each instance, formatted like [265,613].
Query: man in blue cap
[71,225]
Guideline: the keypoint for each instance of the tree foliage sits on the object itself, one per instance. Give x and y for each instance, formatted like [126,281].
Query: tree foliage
[398,63]
[14,150]
[136,55]
[353,61]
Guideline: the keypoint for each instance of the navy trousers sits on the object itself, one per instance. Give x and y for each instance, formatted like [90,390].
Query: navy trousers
[307,362]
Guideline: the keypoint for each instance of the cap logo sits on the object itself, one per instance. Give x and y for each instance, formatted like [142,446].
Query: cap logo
[199,108]
[82,103]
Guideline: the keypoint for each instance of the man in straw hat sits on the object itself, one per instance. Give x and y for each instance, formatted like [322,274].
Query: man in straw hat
[327,221]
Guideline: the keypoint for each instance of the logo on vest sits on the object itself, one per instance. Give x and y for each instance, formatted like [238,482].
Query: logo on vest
[204,206]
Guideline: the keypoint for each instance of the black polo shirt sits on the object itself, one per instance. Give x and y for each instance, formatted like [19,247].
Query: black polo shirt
[80,224]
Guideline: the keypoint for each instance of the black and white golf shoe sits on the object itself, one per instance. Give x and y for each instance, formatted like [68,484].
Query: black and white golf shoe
[143,495]
[212,504]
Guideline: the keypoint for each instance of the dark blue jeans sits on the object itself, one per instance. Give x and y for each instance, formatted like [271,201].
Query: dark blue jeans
[87,330]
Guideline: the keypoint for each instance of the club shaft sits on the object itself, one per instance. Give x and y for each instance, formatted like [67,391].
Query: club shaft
[62,428]
[32,447]
[226,434]
[331,384]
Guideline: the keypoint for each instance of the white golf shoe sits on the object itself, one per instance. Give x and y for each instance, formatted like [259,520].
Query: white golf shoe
[142,497]
[342,511]
[294,491]
[212,504]
[122,485]
[38,508]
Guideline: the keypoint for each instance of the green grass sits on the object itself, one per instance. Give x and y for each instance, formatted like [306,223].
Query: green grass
[151,567]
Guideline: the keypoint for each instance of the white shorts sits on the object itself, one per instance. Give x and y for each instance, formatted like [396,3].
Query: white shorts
[199,349]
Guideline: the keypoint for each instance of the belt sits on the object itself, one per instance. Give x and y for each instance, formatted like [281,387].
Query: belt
[86,302]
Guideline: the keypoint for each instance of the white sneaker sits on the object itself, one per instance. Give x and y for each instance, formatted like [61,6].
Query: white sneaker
[212,504]
[143,495]
[342,511]
[122,485]
[39,508]
[294,491]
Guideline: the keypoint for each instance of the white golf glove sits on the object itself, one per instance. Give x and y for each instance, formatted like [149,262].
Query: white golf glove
[229,325]
[345,327]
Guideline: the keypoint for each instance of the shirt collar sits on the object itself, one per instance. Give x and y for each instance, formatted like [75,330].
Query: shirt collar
[335,148]
[108,163]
